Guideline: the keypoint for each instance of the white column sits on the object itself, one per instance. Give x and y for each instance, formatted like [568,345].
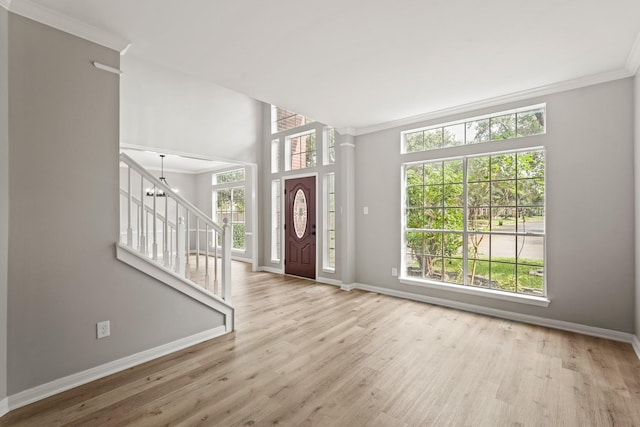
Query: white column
[347,248]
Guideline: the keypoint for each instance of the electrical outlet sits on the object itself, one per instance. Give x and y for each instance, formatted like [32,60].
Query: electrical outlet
[103,329]
[394,272]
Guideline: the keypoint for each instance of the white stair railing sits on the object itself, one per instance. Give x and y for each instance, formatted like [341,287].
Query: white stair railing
[170,231]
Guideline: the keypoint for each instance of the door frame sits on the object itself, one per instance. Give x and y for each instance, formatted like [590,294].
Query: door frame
[283,217]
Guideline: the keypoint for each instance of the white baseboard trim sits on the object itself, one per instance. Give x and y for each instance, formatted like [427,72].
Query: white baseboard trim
[43,391]
[4,406]
[635,343]
[270,270]
[349,287]
[509,315]
[328,281]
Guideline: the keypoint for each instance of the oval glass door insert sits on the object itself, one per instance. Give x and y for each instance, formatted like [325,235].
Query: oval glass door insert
[300,213]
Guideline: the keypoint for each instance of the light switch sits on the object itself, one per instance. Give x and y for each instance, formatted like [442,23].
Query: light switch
[365,210]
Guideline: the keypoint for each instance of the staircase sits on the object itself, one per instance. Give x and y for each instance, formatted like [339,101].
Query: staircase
[170,239]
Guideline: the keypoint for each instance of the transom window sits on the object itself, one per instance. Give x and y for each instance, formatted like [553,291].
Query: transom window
[505,125]
[236,175]
[301,150]
[282,119]
[477,221]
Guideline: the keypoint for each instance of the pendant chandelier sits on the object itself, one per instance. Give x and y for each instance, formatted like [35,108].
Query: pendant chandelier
[158,192]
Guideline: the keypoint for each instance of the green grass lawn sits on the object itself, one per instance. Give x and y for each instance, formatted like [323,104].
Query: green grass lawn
[502,273]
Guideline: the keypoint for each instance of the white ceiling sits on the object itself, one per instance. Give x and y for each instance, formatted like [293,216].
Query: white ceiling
[360,63]
[174,163]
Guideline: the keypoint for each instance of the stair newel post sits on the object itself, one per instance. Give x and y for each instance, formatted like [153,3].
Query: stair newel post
[129,228]
[155,225]
[197,244]
[206,258]
[215,261]
[146,232]
[226,261]
[178,265]
[187,244]
[143,241]
[166,259]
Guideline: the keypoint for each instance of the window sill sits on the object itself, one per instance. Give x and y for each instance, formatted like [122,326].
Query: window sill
[487,293]
[328,270]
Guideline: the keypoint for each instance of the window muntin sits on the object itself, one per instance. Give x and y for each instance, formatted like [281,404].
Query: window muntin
[275,156]
[329,146]
[500,126]
[477,221]
[236,175]
[282,119]
[301,150]
[330,222]
[229,202]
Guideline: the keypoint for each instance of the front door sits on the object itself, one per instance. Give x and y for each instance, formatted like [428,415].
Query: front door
[300,227]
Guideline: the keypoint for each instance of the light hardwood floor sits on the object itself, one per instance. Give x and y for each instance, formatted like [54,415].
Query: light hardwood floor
[305,353]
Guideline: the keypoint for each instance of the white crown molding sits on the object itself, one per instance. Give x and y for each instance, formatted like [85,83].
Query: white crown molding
[44,15]
[509,315]
[499,100]
[107,68]
[74,380]
[633,60]
[347,131]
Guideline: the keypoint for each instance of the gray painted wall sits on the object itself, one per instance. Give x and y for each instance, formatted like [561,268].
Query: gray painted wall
[4,194]
[63,193]
[590,243]
[163,108]
[637,196]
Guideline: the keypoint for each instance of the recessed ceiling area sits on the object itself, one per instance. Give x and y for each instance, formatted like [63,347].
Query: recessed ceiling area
[358,63]
[174,163]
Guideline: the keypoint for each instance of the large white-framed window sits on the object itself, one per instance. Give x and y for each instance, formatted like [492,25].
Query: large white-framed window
[477,221]
[228,191]
[300,150]
[509,124]
[329,221]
